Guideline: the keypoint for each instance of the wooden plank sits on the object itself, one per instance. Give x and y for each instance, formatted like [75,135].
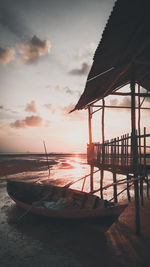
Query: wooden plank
[118,107]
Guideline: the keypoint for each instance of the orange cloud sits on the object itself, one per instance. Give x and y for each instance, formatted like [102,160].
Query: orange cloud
[6,55]
[76,115]
[33,49]
[32,121]
[31,107]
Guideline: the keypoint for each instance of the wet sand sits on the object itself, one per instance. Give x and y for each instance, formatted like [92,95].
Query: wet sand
[36,241]
[20,164]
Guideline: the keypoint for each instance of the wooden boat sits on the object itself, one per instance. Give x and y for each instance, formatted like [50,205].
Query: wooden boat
[60,202]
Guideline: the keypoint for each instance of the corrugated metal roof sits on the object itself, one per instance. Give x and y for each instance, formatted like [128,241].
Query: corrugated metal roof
[125,42]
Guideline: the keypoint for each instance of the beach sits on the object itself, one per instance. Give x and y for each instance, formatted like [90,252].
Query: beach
[36,241]
[30,240]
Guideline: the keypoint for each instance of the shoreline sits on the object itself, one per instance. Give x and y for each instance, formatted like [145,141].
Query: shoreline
[36,241]
[14,166]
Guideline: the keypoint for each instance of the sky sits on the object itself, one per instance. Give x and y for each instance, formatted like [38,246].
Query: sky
[46,51]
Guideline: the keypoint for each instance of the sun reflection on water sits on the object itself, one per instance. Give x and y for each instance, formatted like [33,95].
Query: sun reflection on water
[68,168]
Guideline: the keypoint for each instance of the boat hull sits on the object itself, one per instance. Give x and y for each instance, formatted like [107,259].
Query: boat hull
[106,212]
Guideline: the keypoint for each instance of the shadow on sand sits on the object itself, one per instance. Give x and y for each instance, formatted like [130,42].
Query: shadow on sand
[84,240]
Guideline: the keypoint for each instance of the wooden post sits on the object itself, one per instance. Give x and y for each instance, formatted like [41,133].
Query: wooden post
[90,143]
[103,152]
[103,129]
[91,178]
[90,125]
[139,152]
[139,124]
[103,137]
[127,149]
[118,150]
[145,173]
[46,157]
[134,152]
[115,144]
[101,184]
[111,148]
[115,187]
[128,189]
[122,156]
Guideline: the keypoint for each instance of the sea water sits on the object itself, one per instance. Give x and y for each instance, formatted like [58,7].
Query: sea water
[65,168]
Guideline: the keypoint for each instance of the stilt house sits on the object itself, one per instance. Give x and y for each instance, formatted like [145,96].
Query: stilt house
[122,58]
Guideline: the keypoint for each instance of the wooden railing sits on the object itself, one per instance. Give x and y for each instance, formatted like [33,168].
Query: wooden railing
[118,152]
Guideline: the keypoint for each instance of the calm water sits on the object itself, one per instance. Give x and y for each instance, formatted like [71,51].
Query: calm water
[65,168]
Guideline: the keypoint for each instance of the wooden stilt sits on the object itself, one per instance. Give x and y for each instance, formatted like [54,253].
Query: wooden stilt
[91,178]
[147,188]
[90,125]
[134,153]
[101,184]
[141,190]
[103,109]
[103,150]
[145,173]
[90,144]
[139,152]
[128,189]
[115,188]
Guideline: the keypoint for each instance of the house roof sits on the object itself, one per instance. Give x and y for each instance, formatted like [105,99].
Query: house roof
[125,45]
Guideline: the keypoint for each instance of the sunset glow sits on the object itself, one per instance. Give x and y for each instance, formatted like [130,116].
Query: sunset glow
[45,56]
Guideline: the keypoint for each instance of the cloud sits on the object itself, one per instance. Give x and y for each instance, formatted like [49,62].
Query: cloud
[32,121]
[67,90]
[33,49]
[12,18]
[84,70]
[75,116]
[126,101]
[48,106]
[7,113]
[6,55]
[114,102]
[31,107]
[67,109]
[18,124]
